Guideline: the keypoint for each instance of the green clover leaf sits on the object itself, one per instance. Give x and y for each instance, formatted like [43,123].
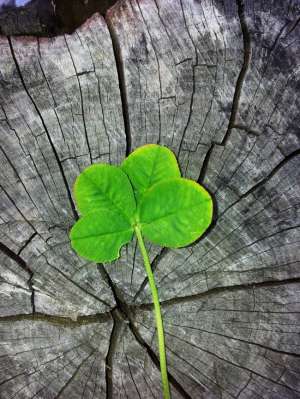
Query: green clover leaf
[106,187]
[175,212]
[105,198]
[145,196]
[148,165]
[99,235]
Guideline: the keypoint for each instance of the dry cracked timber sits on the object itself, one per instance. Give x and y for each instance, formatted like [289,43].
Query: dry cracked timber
[218,83]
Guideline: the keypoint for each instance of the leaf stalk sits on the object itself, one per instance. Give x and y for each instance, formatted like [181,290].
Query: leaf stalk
[158,316]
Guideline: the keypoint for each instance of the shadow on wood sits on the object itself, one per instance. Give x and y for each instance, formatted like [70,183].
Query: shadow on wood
[48,17]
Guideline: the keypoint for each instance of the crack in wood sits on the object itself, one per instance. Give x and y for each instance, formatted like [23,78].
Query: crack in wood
[279,166]
[173,381]
[75,214]
[247,129]
[122,82]
[217,290]
[21,262]
[81,99]
[237,92]
[27,242]
[126,312]
[114,337]
[63,321]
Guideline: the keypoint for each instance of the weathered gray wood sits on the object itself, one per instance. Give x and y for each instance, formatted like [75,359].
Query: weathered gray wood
[15,294]
[217,82]
[180,73]
[242,343]
[134,374]
[48,360]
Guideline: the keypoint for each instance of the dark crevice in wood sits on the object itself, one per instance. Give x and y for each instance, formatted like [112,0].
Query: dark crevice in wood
[243,71]
[293,27]
[59,320]
[21,262]
[114,336]
[32,298]
[17,258]
[122,82]
[206,160]
[219,290]
[126,313]
[193,77]
[27,242]
[280,165]
[121,306]
[247,129]
[237,92]
[190,110]
[155,360]
[75,214]
[81,100]
[158,258]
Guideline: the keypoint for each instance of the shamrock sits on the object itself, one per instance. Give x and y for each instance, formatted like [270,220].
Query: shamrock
[145,195]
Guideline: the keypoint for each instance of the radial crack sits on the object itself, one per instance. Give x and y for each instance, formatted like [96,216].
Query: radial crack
[127,313]
[110,353]
[122,82]
[218,290]
[280,165]
[59,320]
[75,214]
[176,385]
[238,88]
[21,262]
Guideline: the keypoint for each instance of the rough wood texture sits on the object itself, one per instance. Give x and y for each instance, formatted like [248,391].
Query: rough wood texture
[218,83]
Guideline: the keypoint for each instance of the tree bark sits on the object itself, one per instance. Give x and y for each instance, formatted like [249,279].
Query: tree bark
[216,82]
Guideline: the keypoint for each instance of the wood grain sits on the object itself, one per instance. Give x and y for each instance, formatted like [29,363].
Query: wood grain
[218,83]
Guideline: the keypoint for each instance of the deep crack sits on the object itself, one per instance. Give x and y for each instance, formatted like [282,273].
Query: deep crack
[237,92]
[122,82]
[217,290]
[75,214]
[21,262]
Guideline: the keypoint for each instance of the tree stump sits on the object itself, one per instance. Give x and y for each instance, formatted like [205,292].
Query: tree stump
[218,83]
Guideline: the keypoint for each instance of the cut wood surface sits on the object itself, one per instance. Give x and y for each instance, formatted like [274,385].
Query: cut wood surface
[218,83]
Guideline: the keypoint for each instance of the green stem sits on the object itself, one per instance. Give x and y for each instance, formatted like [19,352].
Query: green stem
[158,318]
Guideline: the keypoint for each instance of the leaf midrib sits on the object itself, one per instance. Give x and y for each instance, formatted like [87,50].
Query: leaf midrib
[152,169]
[107,197]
